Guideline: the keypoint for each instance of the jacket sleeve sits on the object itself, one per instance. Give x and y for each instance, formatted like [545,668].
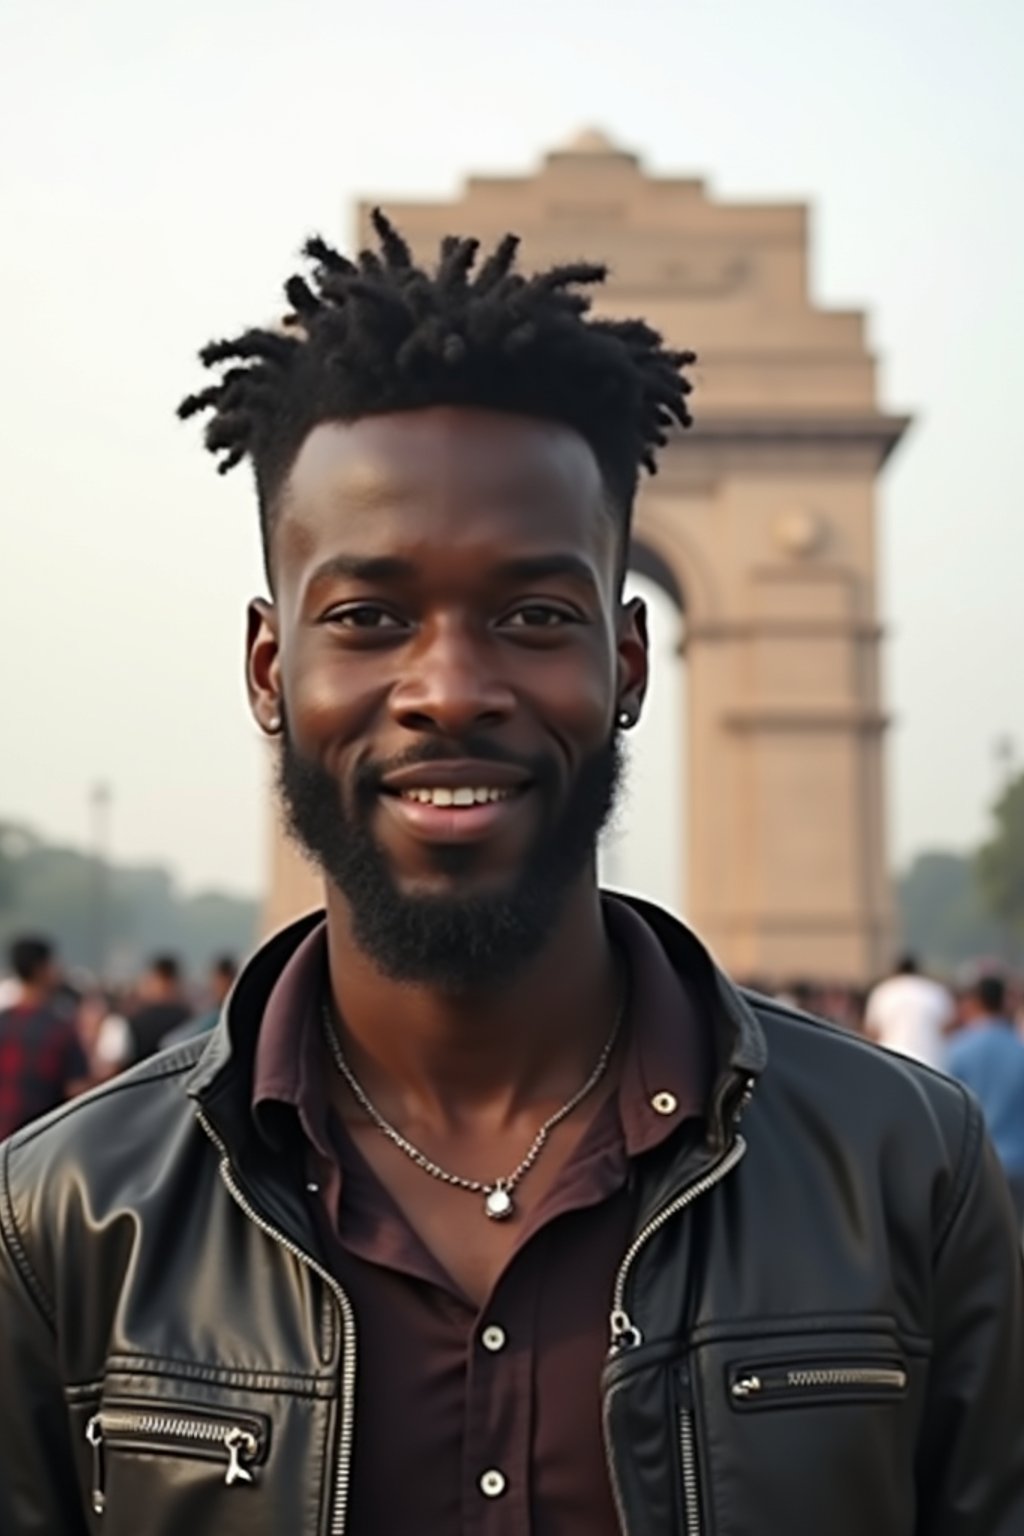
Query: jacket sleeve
[971,1466]
[39,1493]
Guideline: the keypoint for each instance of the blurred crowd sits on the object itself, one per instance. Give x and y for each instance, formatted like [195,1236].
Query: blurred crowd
[60,1034]
[59,1038]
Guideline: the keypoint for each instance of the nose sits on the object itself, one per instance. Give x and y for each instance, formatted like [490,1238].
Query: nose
[452,683]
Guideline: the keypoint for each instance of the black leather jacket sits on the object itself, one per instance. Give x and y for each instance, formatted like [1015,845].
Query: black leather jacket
[816,1331]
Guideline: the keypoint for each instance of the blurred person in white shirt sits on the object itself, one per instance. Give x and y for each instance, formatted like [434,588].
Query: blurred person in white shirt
[106,1036]
[911,1014]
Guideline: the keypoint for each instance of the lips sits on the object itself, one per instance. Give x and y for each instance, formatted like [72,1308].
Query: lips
[454,774]
[448,802]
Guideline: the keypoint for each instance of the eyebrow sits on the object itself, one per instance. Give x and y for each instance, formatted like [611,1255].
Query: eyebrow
[390,568]
[367,568]
[537,567]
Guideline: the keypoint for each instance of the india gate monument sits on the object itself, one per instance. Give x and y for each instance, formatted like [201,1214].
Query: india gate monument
[760,526]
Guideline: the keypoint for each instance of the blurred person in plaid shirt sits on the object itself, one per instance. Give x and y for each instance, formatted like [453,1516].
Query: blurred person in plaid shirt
[42,1062]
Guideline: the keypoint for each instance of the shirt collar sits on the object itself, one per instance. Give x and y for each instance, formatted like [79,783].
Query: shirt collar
[666,1067]
[666,1071]
[288,1069]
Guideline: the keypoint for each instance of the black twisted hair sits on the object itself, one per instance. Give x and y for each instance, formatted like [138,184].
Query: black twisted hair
[381,334]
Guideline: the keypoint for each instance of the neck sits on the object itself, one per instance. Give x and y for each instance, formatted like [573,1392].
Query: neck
[495,1049]
[33,996]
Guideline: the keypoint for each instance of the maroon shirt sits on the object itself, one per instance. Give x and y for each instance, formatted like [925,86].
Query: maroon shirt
[40,1057]
[483,1422]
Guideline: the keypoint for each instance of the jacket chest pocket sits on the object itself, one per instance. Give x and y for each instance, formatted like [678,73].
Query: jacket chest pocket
[756,1385]
[235,1445]
[204,1451]
[802,1433]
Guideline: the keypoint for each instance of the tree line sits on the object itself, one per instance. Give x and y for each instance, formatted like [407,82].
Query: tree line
[109,919]
[958,907]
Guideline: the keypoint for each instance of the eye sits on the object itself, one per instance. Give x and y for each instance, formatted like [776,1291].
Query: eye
[363,616]
[539,616]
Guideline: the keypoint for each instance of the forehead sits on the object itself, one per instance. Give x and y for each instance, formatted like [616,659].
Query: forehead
[455,474]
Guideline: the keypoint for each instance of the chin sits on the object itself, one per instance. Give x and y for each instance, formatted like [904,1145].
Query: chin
[455,885]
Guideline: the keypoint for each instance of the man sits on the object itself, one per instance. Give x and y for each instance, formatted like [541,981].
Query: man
[42,1062]
[988,1056]
[162,1007]
[223,971]
[491,1206]
[912,1014]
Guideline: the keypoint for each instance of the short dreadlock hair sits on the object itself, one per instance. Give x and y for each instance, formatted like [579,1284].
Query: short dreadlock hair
[381,334]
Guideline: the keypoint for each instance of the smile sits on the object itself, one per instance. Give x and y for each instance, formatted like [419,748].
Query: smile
[455,813]
[461,796]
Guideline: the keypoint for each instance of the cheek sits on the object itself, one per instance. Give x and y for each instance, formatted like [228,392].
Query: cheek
[573,694]
[327,694]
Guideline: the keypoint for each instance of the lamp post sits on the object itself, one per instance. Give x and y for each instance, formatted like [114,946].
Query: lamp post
[1004,752]
[100,800]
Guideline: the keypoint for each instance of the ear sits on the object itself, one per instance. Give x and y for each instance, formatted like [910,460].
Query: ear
[633,656]
[263,666]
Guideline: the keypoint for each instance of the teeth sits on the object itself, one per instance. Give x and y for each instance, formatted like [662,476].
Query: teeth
[462,796]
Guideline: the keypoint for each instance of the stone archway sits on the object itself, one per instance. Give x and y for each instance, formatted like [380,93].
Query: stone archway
[764,516]
[644,850]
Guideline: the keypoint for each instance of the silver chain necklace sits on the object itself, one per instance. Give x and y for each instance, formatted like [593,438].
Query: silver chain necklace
[498,1202]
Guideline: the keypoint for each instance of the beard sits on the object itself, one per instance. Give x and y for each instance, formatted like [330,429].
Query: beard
[456,943]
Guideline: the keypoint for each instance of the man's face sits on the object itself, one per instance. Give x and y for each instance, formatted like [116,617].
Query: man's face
[155,987]
[449,655]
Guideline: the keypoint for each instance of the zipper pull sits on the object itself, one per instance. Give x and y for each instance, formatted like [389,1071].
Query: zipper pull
[625,1333]
[239,1443]
[94,1435]
[747,1386]
[744,1100]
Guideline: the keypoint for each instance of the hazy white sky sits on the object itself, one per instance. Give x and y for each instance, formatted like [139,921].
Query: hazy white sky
[161,165]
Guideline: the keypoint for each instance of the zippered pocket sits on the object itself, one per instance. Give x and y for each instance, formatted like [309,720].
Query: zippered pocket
[238,1441]
[779,1382]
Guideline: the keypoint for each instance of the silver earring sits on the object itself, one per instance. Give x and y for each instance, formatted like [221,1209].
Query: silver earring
[626,721]
[273,725]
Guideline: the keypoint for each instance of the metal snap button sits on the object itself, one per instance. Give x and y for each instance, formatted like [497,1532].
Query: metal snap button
[493,1338]
[664,1103]
[493,1483]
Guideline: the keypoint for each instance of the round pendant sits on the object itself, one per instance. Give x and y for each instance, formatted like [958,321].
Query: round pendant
[498,1204]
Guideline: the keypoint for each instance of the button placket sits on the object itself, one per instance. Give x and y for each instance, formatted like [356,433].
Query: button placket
[499,1406]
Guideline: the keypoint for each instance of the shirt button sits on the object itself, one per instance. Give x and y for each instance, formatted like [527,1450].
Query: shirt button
[493,1338]
[665,1103]
[493,1483]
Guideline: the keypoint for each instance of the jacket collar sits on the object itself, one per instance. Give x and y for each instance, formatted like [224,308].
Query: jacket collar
[221,1082]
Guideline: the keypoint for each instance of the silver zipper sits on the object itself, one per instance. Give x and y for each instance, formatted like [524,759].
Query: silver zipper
[613,1476]
[756,1384]
[624,1332]
[241,1444]
[94,1435]
[688,1456]
[348,1321]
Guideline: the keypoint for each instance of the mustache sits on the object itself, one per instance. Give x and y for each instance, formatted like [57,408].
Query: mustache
[370,775]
